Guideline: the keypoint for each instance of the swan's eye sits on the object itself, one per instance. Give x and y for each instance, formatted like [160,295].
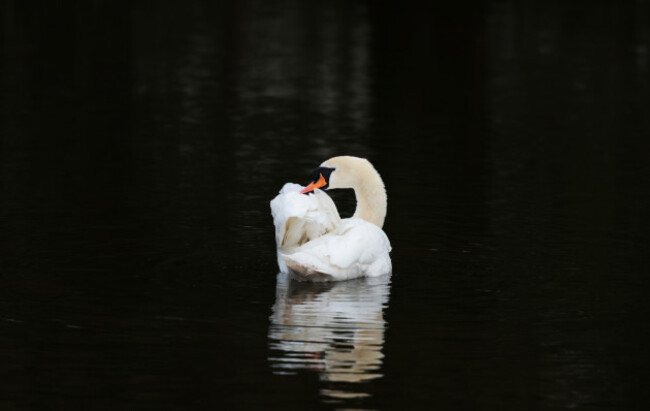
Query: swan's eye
[314,185]
[326,172]
[319,179]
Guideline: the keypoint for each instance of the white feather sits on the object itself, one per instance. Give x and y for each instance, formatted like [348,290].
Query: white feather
[315,244]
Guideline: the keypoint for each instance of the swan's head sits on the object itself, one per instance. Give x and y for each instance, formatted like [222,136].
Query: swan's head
[320,178]
[338,172]
[358,174]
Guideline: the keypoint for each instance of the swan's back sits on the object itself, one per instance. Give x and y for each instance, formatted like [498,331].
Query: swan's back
[356,248]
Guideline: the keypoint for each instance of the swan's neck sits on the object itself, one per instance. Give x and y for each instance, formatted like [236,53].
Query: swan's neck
[371,201]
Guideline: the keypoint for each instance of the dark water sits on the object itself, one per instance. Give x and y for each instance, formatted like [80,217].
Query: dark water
[141,143]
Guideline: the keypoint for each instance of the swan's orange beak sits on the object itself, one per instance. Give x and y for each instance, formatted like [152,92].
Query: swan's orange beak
[314,184]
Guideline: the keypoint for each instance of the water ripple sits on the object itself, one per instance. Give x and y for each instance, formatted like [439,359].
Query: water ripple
[334,329]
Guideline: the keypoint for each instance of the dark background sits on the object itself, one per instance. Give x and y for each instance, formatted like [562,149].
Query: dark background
[140,144]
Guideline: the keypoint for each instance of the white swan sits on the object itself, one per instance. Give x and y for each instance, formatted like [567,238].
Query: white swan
[314,243]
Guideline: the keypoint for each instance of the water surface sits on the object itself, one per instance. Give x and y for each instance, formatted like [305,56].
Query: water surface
[140,145]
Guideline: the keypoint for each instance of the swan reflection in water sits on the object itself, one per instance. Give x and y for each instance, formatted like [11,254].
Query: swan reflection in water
[333,328]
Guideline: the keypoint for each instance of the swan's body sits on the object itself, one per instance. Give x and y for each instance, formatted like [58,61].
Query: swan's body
[314,243]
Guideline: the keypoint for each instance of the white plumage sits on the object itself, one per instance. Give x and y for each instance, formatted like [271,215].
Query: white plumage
[315,244]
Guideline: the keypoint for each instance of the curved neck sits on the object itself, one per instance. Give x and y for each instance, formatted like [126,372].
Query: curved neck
[371,201]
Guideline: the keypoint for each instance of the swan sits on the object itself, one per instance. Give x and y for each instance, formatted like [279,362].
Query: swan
[314,243]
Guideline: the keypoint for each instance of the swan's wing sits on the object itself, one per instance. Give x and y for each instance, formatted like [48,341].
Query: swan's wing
[357,248]
[299,218]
